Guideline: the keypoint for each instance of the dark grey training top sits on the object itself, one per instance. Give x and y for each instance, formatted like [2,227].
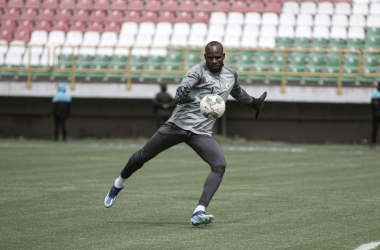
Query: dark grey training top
[202,82]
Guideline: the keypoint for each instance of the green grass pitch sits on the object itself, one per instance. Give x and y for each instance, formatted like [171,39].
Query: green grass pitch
[273,197]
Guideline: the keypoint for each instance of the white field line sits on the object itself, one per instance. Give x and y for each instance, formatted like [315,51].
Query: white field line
[134,145]
[368,246]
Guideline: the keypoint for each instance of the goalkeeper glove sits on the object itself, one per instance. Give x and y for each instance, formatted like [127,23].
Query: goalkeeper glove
[182,95]
[258,104]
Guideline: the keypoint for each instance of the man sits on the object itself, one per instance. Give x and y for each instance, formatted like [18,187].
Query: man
[375,103]
[163,103]
[188,125]
[60,110]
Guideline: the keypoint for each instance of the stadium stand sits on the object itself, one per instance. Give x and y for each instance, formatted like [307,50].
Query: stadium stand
[323,24]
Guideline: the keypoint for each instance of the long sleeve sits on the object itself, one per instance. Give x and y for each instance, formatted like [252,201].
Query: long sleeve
[239,93]
[192,77]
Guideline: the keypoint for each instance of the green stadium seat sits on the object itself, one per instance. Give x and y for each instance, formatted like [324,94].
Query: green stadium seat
[117,62]
[368,70]
[259,68]
[154,62]
[277,58]
[82,65]
[354,43]
[64,62]
[319,43]
[313,68]
[174,56]
[301,43]
[262,58]
[43,74]
[372,42]
[349,70]
[171,66]
[245,58]
[284,42]
[373,32]
[99,62]
[295,68]
[273,78]
[9,73]
[337,43]
[330,69]
[242,67]
[194,57]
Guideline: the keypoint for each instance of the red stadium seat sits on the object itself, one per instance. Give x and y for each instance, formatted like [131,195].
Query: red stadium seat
[166,17]
[112,27]
[63,15]
[344,1]
[78,26]
[274,8]
[239,6]
[29,14]
[61,25]
[170,5]
[187,6]
[80,15]
[21,35]
[50,4]
[119,5]
[153,5]
[257,7]
[201,17]
[5,35]
[115,16]
[8,25]
[279,1]
[95,26]
[136,5]
[330,1]
[17,4]
[149,16]
[132,16]
[12,14]
[84,5]
[101,5]
[26,26]
[67,4]
[222,6]
[184,17]
[46,14]
[3,4]
[314,1]
[205,6]
[98,16]
[43,25]
[33,4]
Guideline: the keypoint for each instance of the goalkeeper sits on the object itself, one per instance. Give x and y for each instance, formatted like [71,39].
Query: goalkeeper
[188,125]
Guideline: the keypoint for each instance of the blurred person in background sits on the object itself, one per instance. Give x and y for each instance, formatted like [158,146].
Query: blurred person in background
[163,105]
[375,103]
[61,110]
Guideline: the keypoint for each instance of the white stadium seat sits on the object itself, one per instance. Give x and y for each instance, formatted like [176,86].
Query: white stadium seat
[357,21]
[235,18]
[196,40]
[343,8]
[303,32]
[124,40]
[326,8]
[287,19]
[90,38]
[73,38]
[251,30]
[248,41]
[268,31]
[321,32]
[339,20]
[38,38]
[181,29]
[304,20]
[231,41]
[15,53]
[216,29]
[143,40]
[161,40]
[374,9]
[290,7]
[164,28]
[218,18]
[309,8]
[338,33]
[129,28]
[267,42]
[356,33]
[360,9]
[286,31]
[198,29]
[178,40]
[147,28]
[373,21]
[107,39]
[233,30]
[252,18]
[269,19]
[322,20]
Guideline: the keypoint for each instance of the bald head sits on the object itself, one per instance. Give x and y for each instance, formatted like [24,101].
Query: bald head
[214,56]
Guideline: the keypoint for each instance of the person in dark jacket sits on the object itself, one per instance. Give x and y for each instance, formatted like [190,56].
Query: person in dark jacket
[163,105]
[61,110]
[375,102]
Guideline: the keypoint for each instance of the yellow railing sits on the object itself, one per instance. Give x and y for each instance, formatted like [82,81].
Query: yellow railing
[128,71]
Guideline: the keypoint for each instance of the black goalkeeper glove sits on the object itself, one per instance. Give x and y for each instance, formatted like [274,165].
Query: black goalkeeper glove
[258,104]
[182,95]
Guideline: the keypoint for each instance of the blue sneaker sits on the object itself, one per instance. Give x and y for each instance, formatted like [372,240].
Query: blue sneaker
[200,217]
[111,196]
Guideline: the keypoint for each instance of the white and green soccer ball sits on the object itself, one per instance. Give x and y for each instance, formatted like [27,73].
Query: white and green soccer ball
[212,106]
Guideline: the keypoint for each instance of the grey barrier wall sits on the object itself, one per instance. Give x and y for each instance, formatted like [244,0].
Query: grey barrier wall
[131,118]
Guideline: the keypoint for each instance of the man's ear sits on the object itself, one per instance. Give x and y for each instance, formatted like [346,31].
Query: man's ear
[204,56]
[224,55]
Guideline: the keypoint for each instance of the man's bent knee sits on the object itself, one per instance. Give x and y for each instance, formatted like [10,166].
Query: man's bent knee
[219,168]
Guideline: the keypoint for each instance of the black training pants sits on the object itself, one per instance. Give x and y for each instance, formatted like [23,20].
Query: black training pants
[205,146]
[375,128]
[60,123]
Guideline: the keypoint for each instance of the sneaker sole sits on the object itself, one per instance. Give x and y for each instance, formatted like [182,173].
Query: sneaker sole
[206,221]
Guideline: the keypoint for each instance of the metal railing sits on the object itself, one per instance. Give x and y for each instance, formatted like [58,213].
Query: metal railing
[129,71]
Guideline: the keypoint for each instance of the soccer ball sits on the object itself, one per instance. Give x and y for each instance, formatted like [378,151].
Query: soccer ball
[212,106]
